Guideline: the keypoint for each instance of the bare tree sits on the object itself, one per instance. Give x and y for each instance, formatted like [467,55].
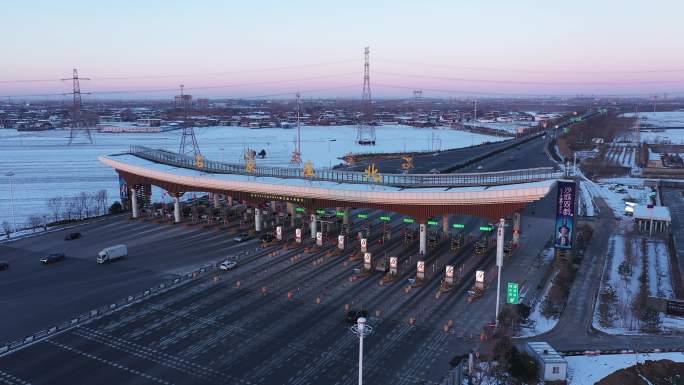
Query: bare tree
[101,199]
[7,228]
[71,208]
[82,205]
[35,222]
[55,206]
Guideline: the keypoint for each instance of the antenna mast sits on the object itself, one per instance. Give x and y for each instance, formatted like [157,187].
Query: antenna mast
[365,134]
[76,118]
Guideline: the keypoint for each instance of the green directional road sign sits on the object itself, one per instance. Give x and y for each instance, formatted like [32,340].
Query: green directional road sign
[512,293]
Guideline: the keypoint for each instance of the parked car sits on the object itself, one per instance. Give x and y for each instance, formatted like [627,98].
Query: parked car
[242,237]
[72,236]
[112,253]
[53,258]
[354,315]
[228,264]
[4,265]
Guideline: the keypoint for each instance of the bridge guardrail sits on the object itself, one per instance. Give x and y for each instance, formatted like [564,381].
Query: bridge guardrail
[356,177]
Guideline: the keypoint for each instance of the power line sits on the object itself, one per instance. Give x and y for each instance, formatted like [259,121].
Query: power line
[140,77]
[529,82]
[534,71]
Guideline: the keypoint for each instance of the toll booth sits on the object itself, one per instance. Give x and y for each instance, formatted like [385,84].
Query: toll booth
[386,232]
[456,242]
[481,246]
[345,229]
[432,239]
[409,235]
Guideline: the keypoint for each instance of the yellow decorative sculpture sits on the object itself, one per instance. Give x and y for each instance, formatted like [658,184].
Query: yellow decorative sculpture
[372,173]
[309,169]
[199,161]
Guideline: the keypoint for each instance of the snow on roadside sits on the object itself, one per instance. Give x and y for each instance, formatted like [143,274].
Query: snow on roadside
[539,323]
[587,370]
[587,201]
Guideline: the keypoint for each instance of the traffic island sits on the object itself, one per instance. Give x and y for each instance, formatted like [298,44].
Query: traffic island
[417,282]
[445,287]
[389,277]
[355,256]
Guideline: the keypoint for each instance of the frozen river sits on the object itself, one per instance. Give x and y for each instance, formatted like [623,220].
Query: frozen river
[45,167]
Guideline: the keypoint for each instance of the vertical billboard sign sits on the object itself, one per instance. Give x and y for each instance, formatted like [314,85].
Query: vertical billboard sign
[123,189]
[565,215]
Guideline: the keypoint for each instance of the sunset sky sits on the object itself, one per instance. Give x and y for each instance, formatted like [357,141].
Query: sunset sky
[139,49]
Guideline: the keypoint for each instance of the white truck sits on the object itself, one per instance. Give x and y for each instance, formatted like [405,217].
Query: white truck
[112,253]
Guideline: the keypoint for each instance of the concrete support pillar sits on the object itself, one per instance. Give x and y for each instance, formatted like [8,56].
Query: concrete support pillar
[176,208]
[217,204]
[229,201]
[445,224]
[516,228]
[345,218]
[274,206]
[291,211]
[313,226]
[257,219]
[423,239]
[134,201]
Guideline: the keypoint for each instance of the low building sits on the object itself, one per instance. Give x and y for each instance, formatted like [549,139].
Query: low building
[552,366]
[650,218]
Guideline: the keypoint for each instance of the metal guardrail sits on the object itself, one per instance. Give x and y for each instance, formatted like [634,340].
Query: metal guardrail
[110,308]
[356,177]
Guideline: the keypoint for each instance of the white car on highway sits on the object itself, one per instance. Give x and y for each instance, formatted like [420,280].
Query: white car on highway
[228,264]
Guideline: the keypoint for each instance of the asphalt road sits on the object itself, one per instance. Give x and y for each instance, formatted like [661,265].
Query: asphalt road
[39,296]
[673,199]
[424,163]
[212,332]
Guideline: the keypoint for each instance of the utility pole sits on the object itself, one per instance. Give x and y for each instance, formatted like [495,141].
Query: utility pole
[365,131]
[11,183]
[76,119]
[297,154]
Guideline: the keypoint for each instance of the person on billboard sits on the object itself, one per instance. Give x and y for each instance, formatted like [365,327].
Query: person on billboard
[564,236]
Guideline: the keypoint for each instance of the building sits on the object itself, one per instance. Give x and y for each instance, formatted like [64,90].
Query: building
[650,218]
[552,366]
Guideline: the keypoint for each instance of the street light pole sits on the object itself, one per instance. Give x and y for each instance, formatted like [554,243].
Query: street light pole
[499,264]
[11,183]
[361,323]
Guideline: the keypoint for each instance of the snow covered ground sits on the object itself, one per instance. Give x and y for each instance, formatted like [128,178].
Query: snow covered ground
[46,167]
[587,370]
[662,120]
[616,190]
[505,126]
[538,322]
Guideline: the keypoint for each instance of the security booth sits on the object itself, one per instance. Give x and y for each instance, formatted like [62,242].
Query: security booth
[652,219]
[552,366]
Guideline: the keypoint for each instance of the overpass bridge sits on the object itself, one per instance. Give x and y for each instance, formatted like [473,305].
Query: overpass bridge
[491,195]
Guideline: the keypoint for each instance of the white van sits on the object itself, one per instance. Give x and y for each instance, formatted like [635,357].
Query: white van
[112,253]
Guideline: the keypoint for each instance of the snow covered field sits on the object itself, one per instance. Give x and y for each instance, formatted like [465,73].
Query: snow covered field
[46,167]
[505,126]
[588,370]
[662,120]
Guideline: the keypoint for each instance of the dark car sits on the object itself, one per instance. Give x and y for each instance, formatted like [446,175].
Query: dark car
[354,315]
[242,237]
[268,237]
[53,258]
[72,236]
[4,265]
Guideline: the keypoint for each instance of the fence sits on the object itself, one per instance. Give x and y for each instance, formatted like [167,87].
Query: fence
[338,176]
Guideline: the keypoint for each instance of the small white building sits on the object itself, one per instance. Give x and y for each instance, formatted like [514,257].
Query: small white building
[552,366]
[650,218]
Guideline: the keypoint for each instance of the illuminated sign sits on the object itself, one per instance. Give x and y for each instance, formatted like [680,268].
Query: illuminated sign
[300,209]
[362,216]
[486,228]
[320,212]
[385,218]
[432,223]
[458,226]
[274,197]
[408,220]
[339,213]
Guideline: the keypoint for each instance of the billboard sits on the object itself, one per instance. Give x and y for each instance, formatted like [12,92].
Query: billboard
[565,215]
[123,189]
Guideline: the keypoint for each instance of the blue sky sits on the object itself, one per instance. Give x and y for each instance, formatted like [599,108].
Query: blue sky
[476,46]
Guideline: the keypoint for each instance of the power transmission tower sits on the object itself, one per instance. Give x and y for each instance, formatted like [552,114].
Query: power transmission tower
[365,132]
[77,123]
[188,144]
[297,154]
